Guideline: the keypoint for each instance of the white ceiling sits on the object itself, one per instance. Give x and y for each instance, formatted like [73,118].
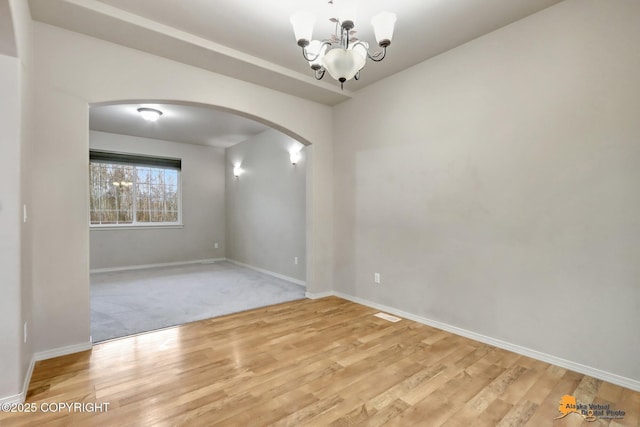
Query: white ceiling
[252,40]
[179,123]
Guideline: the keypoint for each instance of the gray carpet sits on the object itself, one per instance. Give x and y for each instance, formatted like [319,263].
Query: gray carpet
[130,302]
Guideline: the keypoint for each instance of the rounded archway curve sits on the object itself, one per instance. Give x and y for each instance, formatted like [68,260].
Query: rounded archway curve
[244,114]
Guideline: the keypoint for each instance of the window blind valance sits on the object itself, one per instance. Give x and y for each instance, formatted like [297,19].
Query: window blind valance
[134,159]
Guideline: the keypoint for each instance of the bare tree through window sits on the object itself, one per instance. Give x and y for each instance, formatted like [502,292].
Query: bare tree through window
[130,194]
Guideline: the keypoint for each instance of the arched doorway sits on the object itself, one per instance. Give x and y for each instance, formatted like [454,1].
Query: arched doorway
[84,72]
[156,231]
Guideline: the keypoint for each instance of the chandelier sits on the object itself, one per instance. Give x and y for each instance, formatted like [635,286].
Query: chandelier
[342,55]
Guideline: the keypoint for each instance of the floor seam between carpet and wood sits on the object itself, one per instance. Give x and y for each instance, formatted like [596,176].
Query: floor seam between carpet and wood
[130,302]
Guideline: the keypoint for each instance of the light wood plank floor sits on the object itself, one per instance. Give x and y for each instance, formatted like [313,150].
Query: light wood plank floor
[326,362]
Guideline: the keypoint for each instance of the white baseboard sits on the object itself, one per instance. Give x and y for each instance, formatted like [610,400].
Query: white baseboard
[270,273]
[27,378]
[534,354]
[145,266]
[20,397]
[16,398]
[62,351]
[317,295]
[43,355]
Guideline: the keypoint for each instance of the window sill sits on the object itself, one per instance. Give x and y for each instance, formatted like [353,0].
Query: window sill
[135,227]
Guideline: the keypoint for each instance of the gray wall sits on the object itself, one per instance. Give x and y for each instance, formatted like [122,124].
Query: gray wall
[27,123]
[16,112]
[203,209]
[266,205]
[10,207]
[495,187]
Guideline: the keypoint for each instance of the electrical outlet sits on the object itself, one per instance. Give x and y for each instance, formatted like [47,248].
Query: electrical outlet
[215,245]
[295,260]
[25,332]
[376,278]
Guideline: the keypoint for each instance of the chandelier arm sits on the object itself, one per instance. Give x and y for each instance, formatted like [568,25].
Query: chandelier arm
[308,58]
[374,59]
[357,76]
[320,73]
[371,57]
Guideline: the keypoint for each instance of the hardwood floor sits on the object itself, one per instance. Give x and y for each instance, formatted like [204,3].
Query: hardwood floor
[326,362]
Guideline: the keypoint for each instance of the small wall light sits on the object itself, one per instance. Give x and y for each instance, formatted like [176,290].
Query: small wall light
[294,156]
[150,114]
[237,170]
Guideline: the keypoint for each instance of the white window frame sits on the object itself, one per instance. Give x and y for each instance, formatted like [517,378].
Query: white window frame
[135,225]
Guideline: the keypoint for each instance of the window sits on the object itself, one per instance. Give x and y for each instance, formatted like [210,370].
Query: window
[133,190]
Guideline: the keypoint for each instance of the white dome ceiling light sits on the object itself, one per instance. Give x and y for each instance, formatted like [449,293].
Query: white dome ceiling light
[150,114]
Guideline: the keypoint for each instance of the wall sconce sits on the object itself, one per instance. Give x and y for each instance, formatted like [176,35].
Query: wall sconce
[237,170]
[294,156]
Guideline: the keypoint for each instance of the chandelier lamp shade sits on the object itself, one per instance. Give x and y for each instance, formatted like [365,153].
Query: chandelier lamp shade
[342,55]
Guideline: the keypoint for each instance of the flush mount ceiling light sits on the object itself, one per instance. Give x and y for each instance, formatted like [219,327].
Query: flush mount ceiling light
[342,55]
[149,114]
